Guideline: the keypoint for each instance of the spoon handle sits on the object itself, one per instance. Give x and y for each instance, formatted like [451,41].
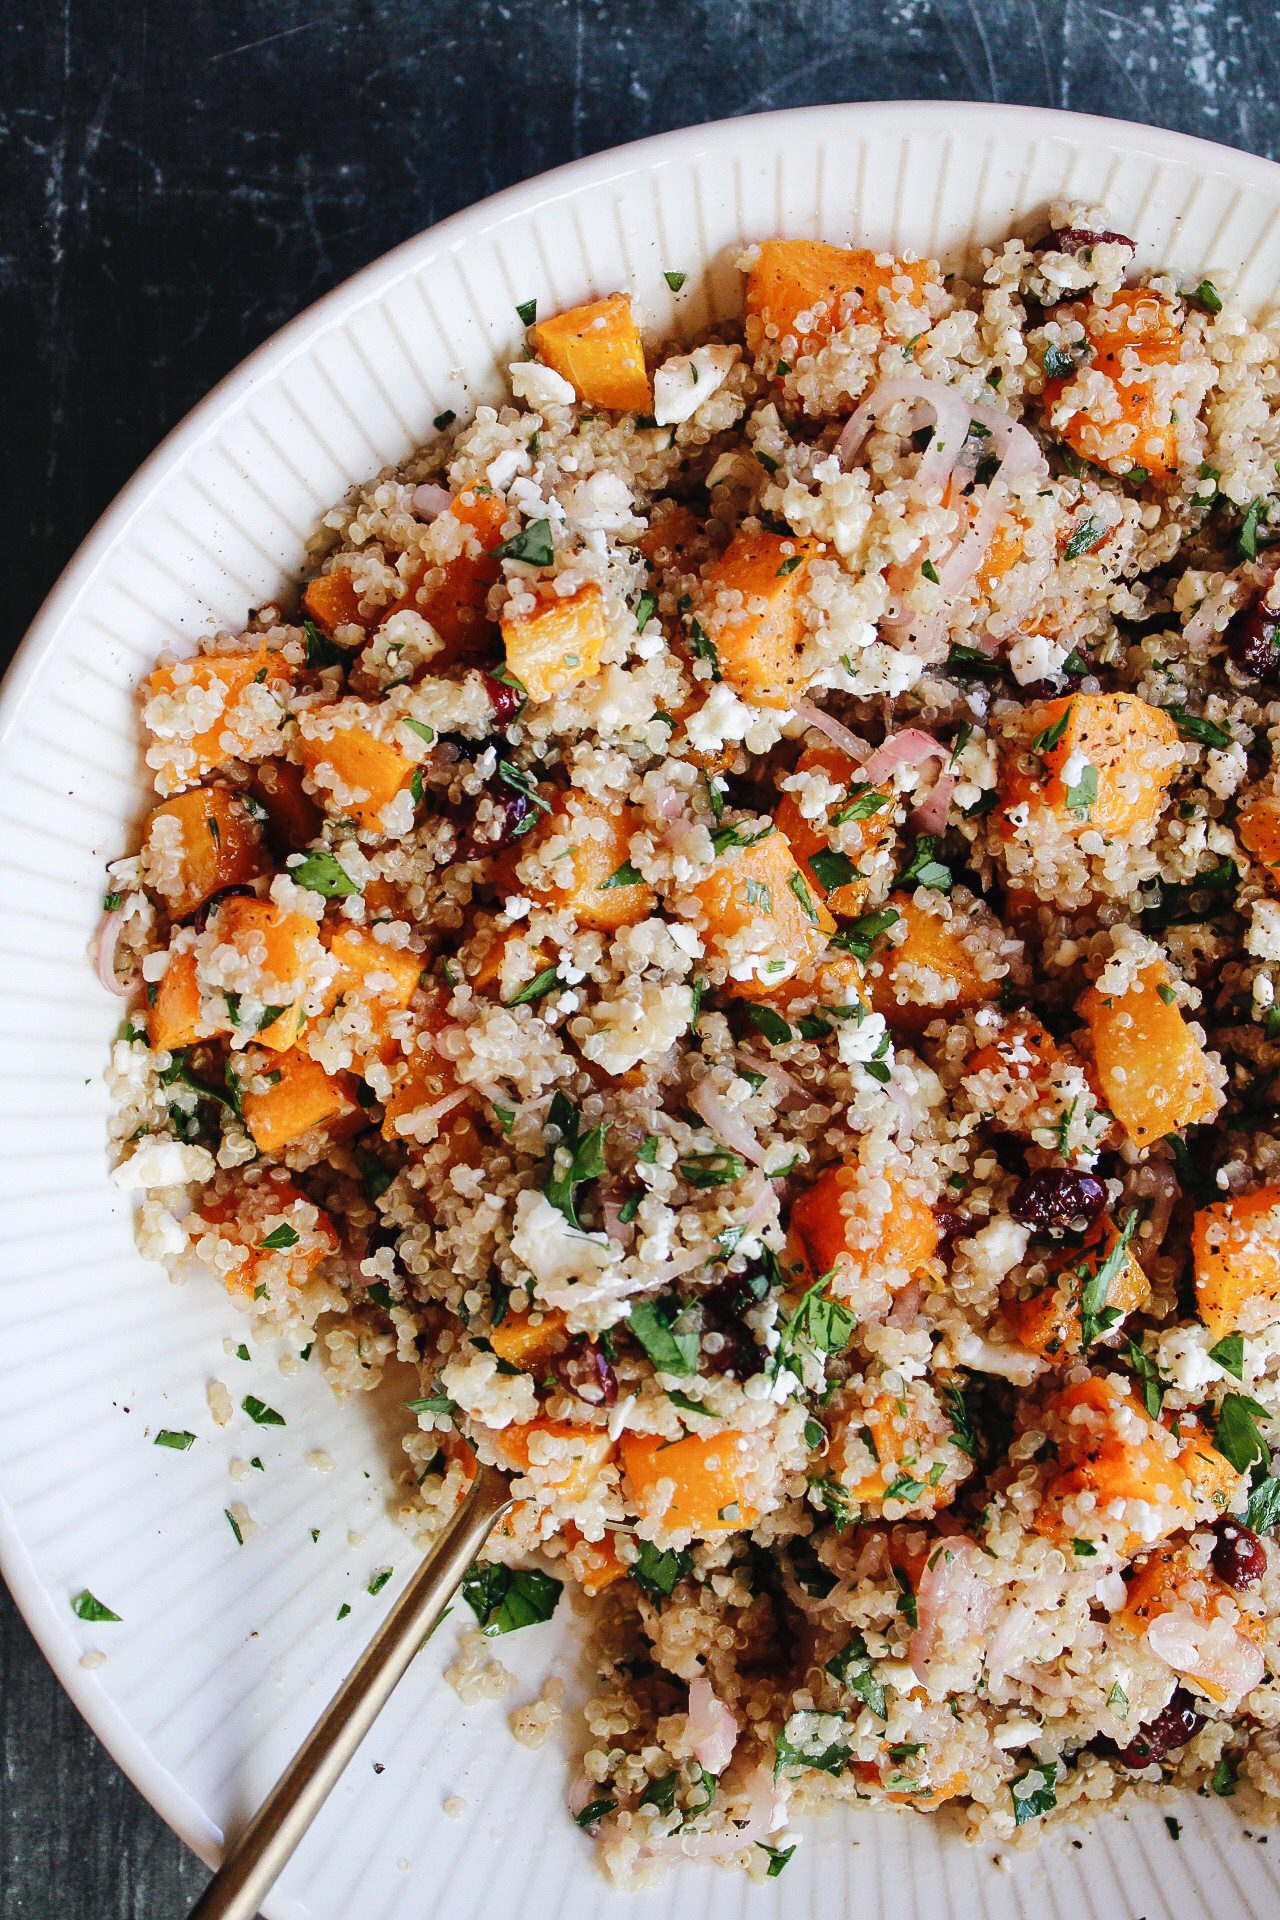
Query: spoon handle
[254,1861]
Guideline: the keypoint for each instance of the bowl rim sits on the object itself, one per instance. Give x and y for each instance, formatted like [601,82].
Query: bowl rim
[34,1602]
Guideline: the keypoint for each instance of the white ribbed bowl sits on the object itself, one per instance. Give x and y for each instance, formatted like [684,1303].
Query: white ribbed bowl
[225,1652]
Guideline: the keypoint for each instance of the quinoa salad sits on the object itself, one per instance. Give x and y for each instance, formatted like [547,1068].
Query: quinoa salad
[732,921]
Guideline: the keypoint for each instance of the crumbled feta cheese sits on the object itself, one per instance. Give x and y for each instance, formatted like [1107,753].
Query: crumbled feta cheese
[156,1162]
[540,386]
[682,383]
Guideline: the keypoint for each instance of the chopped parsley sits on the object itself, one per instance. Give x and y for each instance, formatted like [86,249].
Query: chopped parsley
[1194,726]
[1085,538]
[1150,1380]
[86,1606]
[818,1322]
[703,647]
[1236,1434]
[279,1239]
[578,1158]
[716,1169]
[532,544]
[770,1024]
[320,873]
[657,1572]
[833,869]
[536,989]
[860,936]
[668,1335]
[814,1740]
[851,1668]
[861,804]
[925,869]
[1229,1353]
[673,279]
[261,1414]
[1039,1793]
[528,311]
[380,1580]
[646,607]
[1049,737]
[178,1442]
[504,1599]
[594,1812]
[1096,1317]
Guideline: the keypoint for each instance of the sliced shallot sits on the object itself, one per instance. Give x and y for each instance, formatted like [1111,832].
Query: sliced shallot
[104,956]
[726,1123]
[712,1730]
[430,501]
[850,743]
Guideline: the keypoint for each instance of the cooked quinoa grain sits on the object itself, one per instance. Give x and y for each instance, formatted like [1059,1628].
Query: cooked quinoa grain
[735,926]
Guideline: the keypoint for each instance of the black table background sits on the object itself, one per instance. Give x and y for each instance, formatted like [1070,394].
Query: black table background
[178,180]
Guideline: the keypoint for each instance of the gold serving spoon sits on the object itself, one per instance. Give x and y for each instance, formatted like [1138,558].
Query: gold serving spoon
[255,1861]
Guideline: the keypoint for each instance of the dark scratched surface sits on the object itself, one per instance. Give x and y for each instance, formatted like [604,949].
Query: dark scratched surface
[178,180]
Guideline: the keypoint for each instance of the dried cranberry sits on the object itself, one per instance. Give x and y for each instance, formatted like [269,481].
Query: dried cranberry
[505,699]
[724,1307]
[1239,1558]
[1055,1196]
[200,919]
[951,1223]
[584,1372]
[1172,1727]
[1253,638]
[1072,239]
[508,817]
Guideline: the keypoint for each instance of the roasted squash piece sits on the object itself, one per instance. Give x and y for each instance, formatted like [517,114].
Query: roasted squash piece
[1048,1322]
[1100,762]
[1236,1244]
[559,644]
[935,970]
[597,348]
[1153,1069]
[595,879]
[358,773]
[299,1097]
[831,1219]
[1117,409]
[528,1340]
[275,941]
[871,807]
[692,1486]
[1258,828]
[173,1019]
[238,721]
[762,914]
[199,842]
[1124,1464]
[751,609]
[800,291]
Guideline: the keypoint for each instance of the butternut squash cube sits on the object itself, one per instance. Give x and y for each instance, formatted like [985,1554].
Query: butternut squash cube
[597,348]
[1236,1244]
[245,725]
[301,1096]
[213,843]
[1118,753]
[559,645]
[1131,421]
[1048,1322]
[1258,828]
[752,611]
[830,1220]
[933,971]
[694,1486]
[275,940]
[528,1340]
[173,1020]
[762,912]
[1153,1070]
[844,898]
[1111,1450]
[358,773]
[801,291]
[593,880]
